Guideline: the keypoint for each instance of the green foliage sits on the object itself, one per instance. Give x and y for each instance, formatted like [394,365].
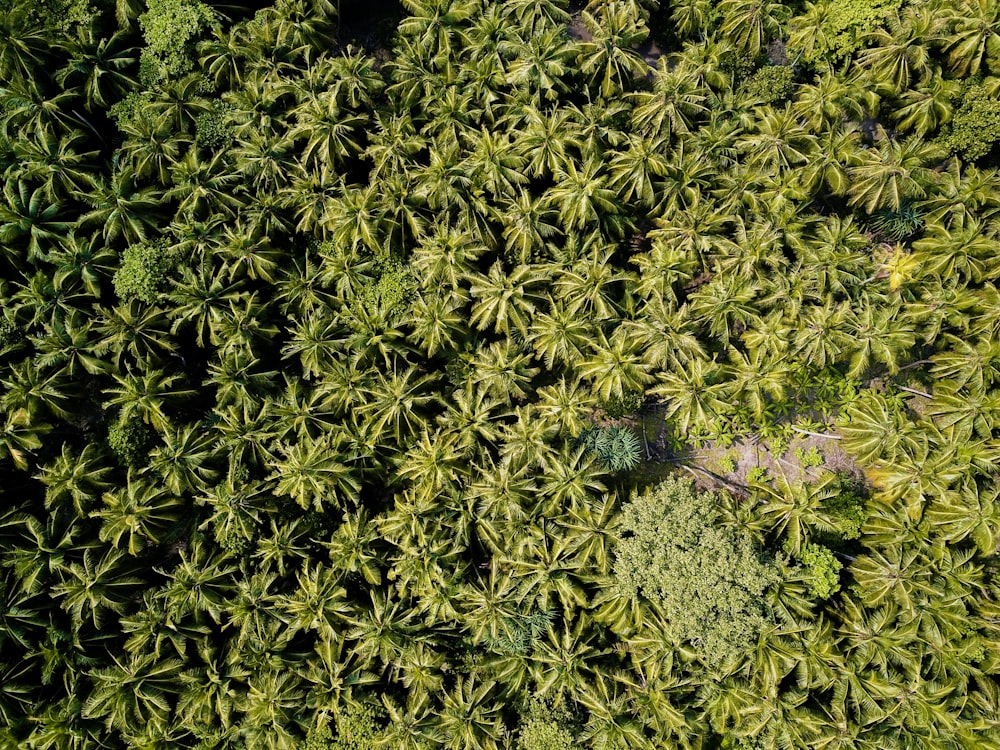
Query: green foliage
[143,272]
[390,294]
[823,569]
[897,225]
[727,463]
[517,634]
[770,84]
[545,726]
[975,127]
[214,129]
[849,510]
[625,405]
[708,578]
[618,448]
[11,334]
[130,439]
[357,727]
[409,279]
[836,29]
[171,28]
[809,459]
[132,110]
[757,475]
[55,15]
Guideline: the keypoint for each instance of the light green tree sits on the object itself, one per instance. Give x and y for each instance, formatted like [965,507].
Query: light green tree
[709,579]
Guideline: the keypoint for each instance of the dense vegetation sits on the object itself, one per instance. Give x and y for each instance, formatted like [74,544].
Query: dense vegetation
[351,397]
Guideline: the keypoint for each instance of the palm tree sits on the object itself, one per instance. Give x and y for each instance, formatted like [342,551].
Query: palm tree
[134,693]
[331,136]
[892,173]
[560,336]
[28,107]
[86,260]
[396,404]
[724,304]
[750,24]
[609,59]
[824,104]
[471,414]
[55,163]
[835,153]
[695,396]
[41,394]
[504,369]
[611,722]
[779,142]
[75,479]
[132,333]
[469,717]
[582,196]
[529,441]
[270,709]
[122,207]
[505,300]
[28,220]
[314,472]
[186,460]
[898,59]
[616,366]
[204,187]
[956,253]
[434,25]
[546,139]
[25,46]
[137,514]
[96,586]
[973,40]
[927,107]
[100,65]
[146,395]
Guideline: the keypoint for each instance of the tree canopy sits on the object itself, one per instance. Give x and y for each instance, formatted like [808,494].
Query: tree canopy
[350,354]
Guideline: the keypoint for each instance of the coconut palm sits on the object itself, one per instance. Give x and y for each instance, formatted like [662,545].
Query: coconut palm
[893,172]
[973,42]
[29,220]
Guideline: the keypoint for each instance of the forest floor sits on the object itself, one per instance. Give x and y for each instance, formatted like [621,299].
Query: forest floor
[714,462]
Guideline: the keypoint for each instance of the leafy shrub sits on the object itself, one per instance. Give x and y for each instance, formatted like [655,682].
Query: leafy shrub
[546,727]
[130,111]
[628,403]
[143,271]
[617,448]
[10,334]
[975,127]
[843,26]
[756,475]
[392,293]
[214,129]
[809,459]
[357,728]
[130,439]
[708,578]
[897,225]
[171,28]
[517,634]
[770,84]
[778,443]
[848,511]
[823,570]
[55,14]
[727,463]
